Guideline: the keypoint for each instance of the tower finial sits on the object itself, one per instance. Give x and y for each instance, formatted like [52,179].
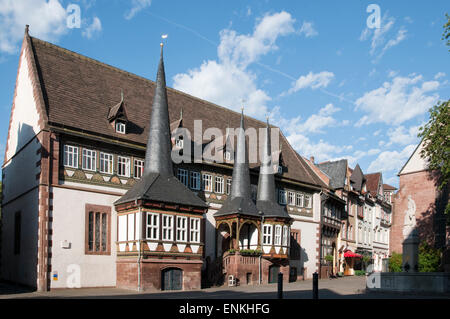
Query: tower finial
[27,29]
[163,37]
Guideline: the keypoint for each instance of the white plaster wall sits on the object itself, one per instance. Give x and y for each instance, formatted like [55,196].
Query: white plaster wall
[25,117]
[415,163]
[69,225]
[308,254]
[210,233]
[21,268]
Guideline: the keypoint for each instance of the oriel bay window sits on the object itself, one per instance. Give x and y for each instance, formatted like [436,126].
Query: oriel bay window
[267,235]
[181,228]
[167,227]
[194,235]
[277,239]
[98,230]
[152,226]
[285,235]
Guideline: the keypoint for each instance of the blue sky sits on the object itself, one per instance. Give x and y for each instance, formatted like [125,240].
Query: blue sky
[337,88]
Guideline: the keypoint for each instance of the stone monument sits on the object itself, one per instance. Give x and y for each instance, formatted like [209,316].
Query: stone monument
[411,239]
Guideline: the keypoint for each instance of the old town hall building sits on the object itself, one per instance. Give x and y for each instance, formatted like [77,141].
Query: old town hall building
[92,198]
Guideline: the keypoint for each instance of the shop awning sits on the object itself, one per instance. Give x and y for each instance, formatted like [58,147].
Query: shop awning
[350,254]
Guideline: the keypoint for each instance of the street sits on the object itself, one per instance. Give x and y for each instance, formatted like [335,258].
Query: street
[341,288]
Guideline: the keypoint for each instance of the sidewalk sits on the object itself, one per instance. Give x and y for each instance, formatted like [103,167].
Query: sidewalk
[347,287]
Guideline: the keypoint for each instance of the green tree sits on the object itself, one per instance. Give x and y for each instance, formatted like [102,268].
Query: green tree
[446,33]
[429,258]
[395,262]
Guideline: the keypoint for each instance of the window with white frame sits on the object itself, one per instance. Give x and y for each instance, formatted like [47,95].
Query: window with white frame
[285,235]
[291,198]
[228,186]
[282,197]
[183,176]
[71,156]
[179,141]
[194,235]
[181,228]
[277,237]
[121,127]
[89,159]
[299,199]
[267,235]
[167,227]
[138,168]
[106,163]
[152,226]
[218,184]
[207,182]
[308,201]
[194,180]
[123,166]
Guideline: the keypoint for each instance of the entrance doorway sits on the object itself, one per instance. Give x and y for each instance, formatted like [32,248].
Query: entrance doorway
[172,279]
[273,273]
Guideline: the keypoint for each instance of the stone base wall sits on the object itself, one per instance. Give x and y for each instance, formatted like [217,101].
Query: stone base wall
[410,282]
[151,273]
[246,269]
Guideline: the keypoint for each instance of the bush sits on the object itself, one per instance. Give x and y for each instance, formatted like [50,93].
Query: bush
[250,252]
[395,262]
[360,273]
[329,258]
[429,258]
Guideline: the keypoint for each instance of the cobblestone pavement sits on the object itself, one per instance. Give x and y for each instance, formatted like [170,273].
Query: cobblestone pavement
[348,287]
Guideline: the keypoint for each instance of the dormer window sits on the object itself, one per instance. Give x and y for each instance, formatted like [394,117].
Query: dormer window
[280,169]
[121,127]
[179,142]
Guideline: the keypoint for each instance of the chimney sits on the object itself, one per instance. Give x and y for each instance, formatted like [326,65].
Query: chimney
[312,159]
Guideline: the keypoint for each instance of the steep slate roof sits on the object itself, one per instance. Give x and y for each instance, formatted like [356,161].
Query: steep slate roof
[336,171]
[357,178]
[79,91]
[265,200]
[388,187]
[158,182]
[373,180]
[240,200]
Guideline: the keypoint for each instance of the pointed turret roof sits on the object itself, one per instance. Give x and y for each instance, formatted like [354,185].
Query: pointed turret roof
[158,182]
[240,200]
[266,201]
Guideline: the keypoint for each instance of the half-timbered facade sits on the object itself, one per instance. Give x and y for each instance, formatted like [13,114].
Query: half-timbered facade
[78,144]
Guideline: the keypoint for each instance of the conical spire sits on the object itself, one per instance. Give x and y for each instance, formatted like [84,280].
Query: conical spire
[157,156]
[240,200]
[240,186]
[266,182]
[266,201]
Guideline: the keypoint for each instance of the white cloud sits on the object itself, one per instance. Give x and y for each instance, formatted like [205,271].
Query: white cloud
[316,122]
[379,43]
[136,6]
[397,101]
[402,136]
[47,20]
[439,75]
[308,30]
[391,160]
[93,29]
[311,80]
[228,81]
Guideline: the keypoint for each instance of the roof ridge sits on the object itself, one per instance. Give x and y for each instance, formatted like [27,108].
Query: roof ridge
[117,69]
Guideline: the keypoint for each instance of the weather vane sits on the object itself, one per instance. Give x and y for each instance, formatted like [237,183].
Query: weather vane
[163,37]
[242,107]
